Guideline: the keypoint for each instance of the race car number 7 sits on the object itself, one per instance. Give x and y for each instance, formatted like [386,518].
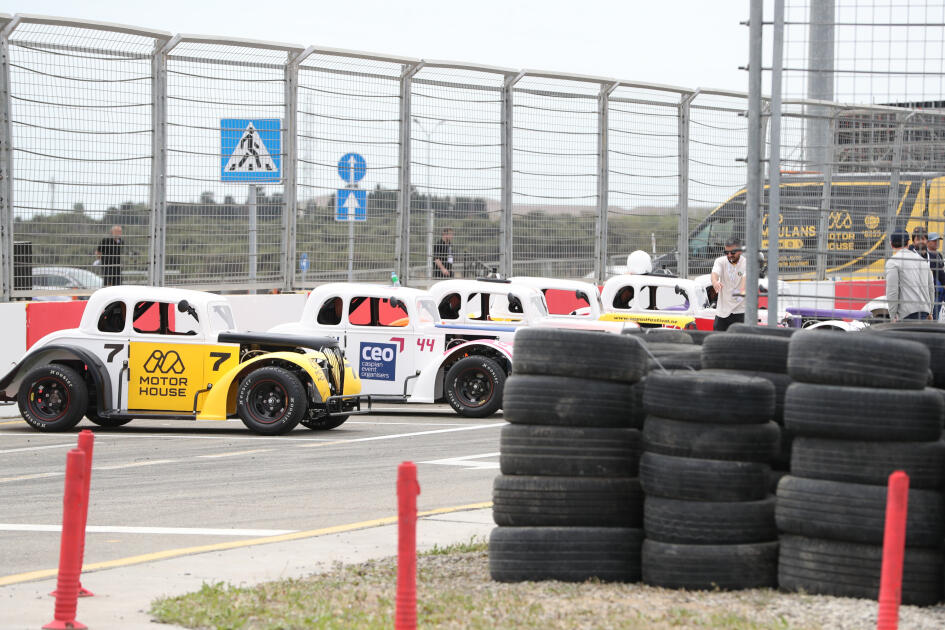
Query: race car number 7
[425,343]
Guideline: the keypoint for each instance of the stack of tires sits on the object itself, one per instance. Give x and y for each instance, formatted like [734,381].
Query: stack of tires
[568,503]
[708,515]
[672,349]
[860,409]
[756,351]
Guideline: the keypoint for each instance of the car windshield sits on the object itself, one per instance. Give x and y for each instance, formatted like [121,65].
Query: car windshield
[426,311]
[221,317]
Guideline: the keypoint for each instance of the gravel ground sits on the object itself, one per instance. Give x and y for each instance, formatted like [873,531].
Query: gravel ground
[665,608]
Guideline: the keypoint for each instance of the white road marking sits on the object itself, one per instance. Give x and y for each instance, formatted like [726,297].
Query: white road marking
[36,476]
[183,531]
[152,462]
[402,435]
[235,453]
[466,462]
[37,448]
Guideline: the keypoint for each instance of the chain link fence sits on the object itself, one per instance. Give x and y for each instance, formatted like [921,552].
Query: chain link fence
[537,173]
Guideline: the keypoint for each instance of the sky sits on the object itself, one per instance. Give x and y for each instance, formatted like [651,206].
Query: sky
[685,43]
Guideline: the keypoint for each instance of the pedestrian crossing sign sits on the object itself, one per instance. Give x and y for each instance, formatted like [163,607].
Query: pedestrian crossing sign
[250,150]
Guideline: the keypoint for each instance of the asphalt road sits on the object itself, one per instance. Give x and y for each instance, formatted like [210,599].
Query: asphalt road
[159,485]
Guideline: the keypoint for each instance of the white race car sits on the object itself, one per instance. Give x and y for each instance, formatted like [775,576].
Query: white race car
[404,350]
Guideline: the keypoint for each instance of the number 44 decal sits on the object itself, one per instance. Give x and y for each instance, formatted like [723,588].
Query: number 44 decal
[425,343]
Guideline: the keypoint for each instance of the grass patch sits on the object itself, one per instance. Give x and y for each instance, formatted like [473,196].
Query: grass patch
[454,591]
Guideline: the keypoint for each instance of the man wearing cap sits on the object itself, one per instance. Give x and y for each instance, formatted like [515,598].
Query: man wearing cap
[910,288]
[937,263]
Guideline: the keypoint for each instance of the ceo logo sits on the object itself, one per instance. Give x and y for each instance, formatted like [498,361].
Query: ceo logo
[164,362]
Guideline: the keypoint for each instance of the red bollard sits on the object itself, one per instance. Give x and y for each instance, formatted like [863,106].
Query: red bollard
[70,562]
[894,547]
[405,615]
[86,443]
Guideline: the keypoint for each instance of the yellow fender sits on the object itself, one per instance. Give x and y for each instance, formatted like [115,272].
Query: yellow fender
[220,401]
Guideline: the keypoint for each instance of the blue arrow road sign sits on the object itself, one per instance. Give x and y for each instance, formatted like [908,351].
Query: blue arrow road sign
[303,261]
[351,205]
[351,168]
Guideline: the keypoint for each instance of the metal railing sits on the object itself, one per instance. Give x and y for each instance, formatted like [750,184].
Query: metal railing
[537,172]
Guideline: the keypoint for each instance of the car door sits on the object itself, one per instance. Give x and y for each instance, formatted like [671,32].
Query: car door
[381,343]
[169,361]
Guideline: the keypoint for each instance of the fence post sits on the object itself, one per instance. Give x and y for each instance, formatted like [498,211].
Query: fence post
[505,220]
[892,201]
[404,199]
[603,179]
[774,164]
[6,166]
[157,260]
[753,194]
[825,200]
[682,205]
[290,164]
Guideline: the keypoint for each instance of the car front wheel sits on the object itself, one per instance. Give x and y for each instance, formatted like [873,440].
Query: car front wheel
[271,401]
[474,386]
[52,398]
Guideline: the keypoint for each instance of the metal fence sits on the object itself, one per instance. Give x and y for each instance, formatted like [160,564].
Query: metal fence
[538,173]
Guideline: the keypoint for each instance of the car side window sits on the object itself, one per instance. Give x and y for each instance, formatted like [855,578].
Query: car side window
[162,318]
[449,306]
[112,319]
[330,312]
[624,297]
[376,311]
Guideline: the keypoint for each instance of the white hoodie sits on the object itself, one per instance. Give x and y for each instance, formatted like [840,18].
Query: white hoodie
[910,287]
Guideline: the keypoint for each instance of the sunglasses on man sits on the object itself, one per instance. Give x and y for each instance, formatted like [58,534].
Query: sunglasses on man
[732,252]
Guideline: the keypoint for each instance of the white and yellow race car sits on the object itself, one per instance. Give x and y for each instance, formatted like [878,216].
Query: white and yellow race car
[148,352]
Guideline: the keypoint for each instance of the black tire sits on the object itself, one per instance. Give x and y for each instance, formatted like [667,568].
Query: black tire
[710,567]
[841,569]
[667,335]
[570,401]
[857,360]
[863,413]
[691,361]
[709,397]
[473,386]
[325,423]
[853,512]
[107,422]
[935,344]
[663,348]
[568,554]
[271,401]
[706,440]
[766,331]
[869,462]
[746,352]
[780,382]
[709,523]
[585,354]
[699,336]
[918,325]
[52,397]
[569,451]
[520,501]
[702,479]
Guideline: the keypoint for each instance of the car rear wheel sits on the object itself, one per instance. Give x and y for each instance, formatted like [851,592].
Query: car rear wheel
[52,398]
[271,401]
[474,386]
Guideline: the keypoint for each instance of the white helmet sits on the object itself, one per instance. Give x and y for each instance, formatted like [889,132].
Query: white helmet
[639,262]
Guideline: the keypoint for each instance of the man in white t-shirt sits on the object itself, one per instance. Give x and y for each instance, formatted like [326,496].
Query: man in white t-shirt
[728,280]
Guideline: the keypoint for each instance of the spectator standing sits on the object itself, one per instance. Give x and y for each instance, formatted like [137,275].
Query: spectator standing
[443,255]
[910,289]
[920,242]
[937,263]
[728,280]
[108,255]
